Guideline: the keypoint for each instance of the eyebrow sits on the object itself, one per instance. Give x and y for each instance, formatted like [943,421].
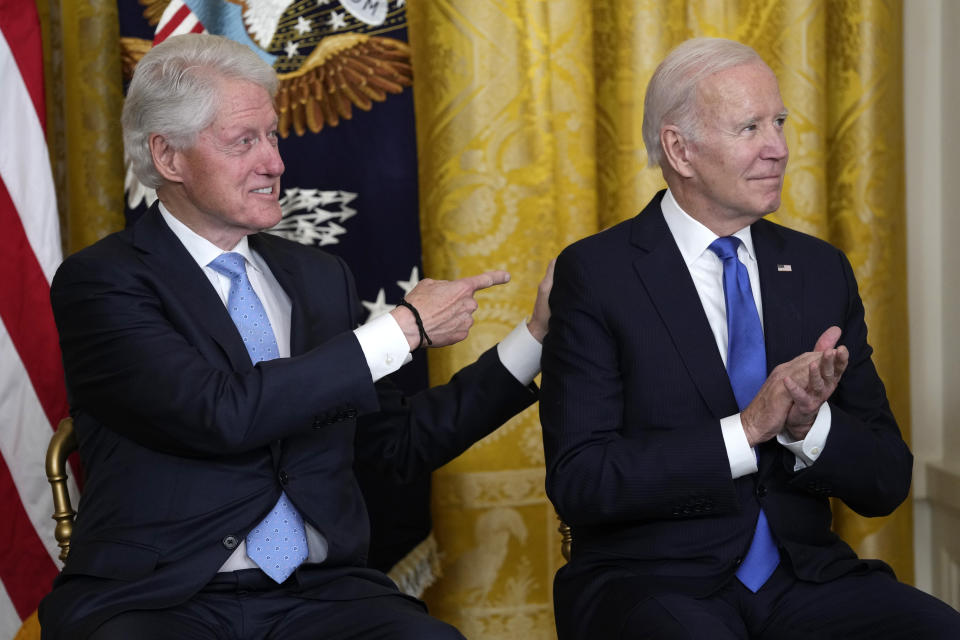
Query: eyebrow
[239,130]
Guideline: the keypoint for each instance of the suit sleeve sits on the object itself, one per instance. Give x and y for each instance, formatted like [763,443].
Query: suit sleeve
[414,435]
[602,468]
[865,461]
[140,362]
[145,365]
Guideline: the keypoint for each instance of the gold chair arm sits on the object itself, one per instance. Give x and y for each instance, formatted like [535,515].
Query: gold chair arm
[62,444]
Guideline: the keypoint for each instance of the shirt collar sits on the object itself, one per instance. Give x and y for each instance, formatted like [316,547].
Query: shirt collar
[199,248]
[691,236]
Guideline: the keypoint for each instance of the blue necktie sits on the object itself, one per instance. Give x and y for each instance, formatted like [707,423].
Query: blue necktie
[747,369]
[278,544]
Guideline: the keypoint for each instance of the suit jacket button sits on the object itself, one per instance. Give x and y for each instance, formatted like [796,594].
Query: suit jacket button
[284,478]
[230,542]
[761,491]
[738,560]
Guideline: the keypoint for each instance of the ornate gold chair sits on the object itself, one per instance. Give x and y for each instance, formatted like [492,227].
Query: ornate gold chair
[62,444]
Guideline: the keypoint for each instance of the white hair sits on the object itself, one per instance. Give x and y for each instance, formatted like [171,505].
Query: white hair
[672,92]
[175,93]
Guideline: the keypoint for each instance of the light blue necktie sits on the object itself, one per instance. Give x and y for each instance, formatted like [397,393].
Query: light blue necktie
[747,369]
[278,544]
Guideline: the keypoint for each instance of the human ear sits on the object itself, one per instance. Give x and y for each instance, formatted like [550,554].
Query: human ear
[676,149]
[164,158]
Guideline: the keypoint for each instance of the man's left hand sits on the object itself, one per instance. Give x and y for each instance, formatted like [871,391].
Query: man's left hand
[809,392]
[540,320]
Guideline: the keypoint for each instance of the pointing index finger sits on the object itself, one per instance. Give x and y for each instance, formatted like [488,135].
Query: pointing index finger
[487,279]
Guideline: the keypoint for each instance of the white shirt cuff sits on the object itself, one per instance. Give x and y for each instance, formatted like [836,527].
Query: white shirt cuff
[520,353]
[743,460]
[807,451]
[384,345]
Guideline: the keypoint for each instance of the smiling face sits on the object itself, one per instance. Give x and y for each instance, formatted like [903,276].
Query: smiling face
[734,168]
[227,184]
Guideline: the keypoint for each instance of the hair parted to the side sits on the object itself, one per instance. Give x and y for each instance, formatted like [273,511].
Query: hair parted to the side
[175,93]
[671,96]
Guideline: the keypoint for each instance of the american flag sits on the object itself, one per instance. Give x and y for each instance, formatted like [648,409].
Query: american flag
[32,393]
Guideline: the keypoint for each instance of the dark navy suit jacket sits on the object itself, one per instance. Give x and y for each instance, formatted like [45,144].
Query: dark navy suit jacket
[633,391]
[187,445]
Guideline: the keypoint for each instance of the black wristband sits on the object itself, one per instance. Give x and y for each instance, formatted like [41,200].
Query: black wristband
[416,317]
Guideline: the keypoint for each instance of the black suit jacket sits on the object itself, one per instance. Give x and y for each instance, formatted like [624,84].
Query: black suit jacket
[187,445]
[633,391]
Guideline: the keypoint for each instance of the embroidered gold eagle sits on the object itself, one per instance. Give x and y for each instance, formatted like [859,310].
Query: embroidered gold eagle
[343,71]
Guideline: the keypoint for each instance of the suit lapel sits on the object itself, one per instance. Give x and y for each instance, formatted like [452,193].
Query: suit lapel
[284,270]
[781,288]
[165,255]
[667,280]
[781,285]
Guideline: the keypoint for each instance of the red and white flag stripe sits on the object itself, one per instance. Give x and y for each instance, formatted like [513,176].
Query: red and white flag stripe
[177,18]
[32,394]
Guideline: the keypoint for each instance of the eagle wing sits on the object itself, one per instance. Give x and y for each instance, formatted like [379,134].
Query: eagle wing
[131,50]
[344,70]
[153,10]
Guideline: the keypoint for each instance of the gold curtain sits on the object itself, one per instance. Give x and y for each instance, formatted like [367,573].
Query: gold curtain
[84,97]
[528,123]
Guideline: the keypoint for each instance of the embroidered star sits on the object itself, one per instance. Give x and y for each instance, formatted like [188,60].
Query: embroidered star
[291,49]
[337,20]
[302,26]
[379,306]
[408,285]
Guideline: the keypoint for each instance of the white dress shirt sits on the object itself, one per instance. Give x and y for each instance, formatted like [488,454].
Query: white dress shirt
[706,269]
[383,343]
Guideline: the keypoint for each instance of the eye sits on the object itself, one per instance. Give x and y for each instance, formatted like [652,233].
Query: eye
[750,127]
[246,140]
[273,137]
[781,120]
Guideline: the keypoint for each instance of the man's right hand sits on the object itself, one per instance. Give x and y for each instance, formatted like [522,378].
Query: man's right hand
[445,306]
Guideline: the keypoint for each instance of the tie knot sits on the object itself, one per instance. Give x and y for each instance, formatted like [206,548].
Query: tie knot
[725,247]
[229,264]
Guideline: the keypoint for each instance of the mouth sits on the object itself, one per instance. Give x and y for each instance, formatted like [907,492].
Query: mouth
[263,191]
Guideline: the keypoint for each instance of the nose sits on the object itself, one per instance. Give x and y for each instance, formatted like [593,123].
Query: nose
[270,162]
[775,144]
